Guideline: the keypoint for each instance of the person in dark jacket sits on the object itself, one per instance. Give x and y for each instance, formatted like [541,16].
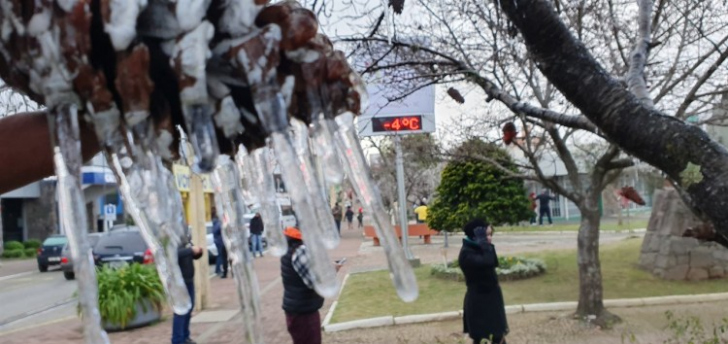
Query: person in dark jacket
[337,214]
[484,315]
[221,263]
[349,217]
[181,323]
[256,234]
[544,207]
[301,303]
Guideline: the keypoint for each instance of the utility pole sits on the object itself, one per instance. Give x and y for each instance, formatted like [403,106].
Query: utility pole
[402,199]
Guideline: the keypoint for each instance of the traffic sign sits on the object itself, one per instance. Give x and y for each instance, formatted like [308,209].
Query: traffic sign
[110,212]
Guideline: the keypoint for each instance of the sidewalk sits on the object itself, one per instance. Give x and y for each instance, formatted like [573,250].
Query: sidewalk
[223,297]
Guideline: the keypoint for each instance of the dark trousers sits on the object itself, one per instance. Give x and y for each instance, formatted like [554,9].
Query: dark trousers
[338,225]
[221,264]
[542,212]
[181,323]
[304,328]
[495,340]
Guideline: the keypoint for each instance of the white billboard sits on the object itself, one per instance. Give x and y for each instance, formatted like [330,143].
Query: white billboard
[411,115]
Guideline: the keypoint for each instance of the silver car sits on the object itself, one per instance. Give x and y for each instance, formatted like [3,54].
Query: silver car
[67,262]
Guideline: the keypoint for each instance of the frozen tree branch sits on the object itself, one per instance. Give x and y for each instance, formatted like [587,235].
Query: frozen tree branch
[636,75]
[684,152]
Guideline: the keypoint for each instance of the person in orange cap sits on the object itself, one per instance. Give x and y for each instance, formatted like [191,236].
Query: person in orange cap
[301,303]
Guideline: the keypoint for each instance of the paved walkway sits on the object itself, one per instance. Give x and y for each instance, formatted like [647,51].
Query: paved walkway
[361,256]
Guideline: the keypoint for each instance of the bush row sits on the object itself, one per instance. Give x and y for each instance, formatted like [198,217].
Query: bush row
[17,245]
[20,253]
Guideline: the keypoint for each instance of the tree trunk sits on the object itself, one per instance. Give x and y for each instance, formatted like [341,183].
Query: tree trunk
[591,296]
[685,152]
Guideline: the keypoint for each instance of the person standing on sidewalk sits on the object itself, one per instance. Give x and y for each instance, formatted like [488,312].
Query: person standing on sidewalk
[349,217]
[337,214]
[544,208]
[421,212]
[256,233]
[532,198]
[360,217]
[484,313]
[181,323]
[301,303]
[221,264]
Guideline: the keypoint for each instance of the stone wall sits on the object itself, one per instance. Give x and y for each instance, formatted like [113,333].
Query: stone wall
[40,213]
[666,254]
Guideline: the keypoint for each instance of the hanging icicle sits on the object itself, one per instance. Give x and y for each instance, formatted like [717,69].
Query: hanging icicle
[401,271]
[229,201]
[326,228]
[261,182]
[148,200]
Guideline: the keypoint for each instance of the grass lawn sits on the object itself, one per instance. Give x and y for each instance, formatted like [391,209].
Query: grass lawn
[371,294]
[605,226]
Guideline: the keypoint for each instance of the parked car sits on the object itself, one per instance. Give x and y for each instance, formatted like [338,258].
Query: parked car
[49,253]
[67,262]
[124,245]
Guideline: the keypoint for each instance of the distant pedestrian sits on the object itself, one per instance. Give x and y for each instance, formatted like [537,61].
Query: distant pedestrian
[181,322]
[484,315]
[256,234]
[532,198]
[421,212]
[301,303]
[360,217]
[349,218]
[337,214]
[544,208]
[221,263]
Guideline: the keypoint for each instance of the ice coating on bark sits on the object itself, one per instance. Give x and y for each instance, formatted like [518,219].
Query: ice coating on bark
[121,26]
[189,13]
[238,17]
[72,210]
[401,271]
[229,198]
[190,56]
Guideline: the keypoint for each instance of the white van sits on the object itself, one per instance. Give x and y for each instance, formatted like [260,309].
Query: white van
[285,211]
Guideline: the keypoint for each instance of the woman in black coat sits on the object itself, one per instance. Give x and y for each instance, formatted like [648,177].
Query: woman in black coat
[484,315]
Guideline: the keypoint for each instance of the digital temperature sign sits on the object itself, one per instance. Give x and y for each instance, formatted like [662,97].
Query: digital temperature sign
[396,124]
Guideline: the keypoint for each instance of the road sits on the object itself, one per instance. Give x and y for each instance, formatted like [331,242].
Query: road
[32,297]
[29,297]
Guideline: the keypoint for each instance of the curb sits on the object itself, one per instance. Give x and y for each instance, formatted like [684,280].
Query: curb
[612,231]
[515,309]
[332,308]
[420,318]
[364,323]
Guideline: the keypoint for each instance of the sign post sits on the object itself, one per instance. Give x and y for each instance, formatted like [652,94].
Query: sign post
[403,225]
[413,114]
[109,216]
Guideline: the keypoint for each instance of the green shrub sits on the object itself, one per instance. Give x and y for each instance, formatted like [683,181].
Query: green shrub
[32,243]
[13,253]
[14,245]
[30,252]
[121,289]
